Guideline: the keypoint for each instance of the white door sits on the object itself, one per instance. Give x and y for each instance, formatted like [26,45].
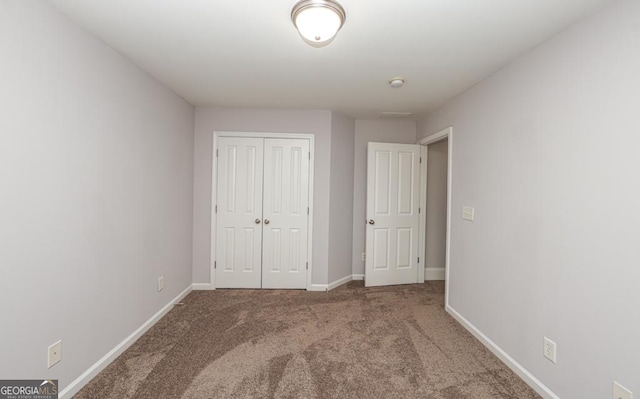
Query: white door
[239,212]
[285,213]
[393,181]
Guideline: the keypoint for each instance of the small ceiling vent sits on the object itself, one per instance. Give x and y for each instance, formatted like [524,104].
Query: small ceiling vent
[396,114]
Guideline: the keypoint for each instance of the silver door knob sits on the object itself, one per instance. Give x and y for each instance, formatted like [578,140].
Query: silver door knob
[257,221]
[371,221]
[266,221]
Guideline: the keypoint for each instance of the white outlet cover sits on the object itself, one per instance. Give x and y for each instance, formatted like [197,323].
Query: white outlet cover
[364,256]
[620,392]
[160,283]
[54,354]
[549,350]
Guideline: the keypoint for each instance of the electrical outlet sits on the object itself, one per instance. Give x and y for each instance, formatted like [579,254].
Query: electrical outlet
[620,392]
[364,256]
[54,354]
[549,350]
[160,283]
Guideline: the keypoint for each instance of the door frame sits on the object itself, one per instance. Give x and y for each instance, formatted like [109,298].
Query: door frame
[424,143]
[214,188]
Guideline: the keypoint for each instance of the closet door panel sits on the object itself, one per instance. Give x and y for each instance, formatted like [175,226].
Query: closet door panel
[285,218]
[239,213]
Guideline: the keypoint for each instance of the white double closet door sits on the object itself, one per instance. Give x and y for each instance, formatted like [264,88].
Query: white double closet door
[262,212]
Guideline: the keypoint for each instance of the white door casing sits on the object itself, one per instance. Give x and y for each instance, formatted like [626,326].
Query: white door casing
[285,213]
[239,212]
[393,198]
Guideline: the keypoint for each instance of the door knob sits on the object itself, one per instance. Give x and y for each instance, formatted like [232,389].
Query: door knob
[371,221]
[257,221]
[266,221]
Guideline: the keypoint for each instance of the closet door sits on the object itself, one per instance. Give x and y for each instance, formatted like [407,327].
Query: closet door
[239,214]
[285,207]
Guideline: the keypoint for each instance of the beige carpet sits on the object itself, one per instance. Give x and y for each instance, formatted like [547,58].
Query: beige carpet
[353,342]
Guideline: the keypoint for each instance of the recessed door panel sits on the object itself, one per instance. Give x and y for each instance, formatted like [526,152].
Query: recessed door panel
[274,167]
[231,178]
[381,251]
[404,247]
[405,182]
[296,260]
[275,248]
[296,181]
[228,248]
[253,201]
[382,182]
[249,261]
[393,172]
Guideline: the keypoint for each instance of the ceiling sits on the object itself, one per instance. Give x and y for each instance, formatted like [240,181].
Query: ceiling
[246,53]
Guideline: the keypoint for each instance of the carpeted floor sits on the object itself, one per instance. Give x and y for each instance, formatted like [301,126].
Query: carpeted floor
[353,342]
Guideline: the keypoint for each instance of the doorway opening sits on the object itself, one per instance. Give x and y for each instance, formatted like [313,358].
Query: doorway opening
[436,153]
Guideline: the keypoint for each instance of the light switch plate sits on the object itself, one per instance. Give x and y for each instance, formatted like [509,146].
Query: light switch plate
[620,392]
[54,354]
[468,213]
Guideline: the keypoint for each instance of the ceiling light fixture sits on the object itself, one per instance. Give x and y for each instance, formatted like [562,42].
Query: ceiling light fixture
[396,83]
[318,21]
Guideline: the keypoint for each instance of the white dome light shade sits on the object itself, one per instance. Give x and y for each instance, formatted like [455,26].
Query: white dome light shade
[396,83]
[318,24]
[318,21]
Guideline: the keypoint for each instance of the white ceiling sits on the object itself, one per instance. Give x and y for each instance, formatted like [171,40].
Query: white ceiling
[246,53]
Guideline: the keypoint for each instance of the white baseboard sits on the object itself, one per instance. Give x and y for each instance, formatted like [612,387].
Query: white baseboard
[202,287]
[94,370]
[339,282]
[319,287]
[516,367]
[431,274]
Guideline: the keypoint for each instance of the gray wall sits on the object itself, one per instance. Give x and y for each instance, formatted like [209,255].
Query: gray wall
[546,150]
[341,206]
[209,120]
[96,165]
[436,231]
[371,130]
